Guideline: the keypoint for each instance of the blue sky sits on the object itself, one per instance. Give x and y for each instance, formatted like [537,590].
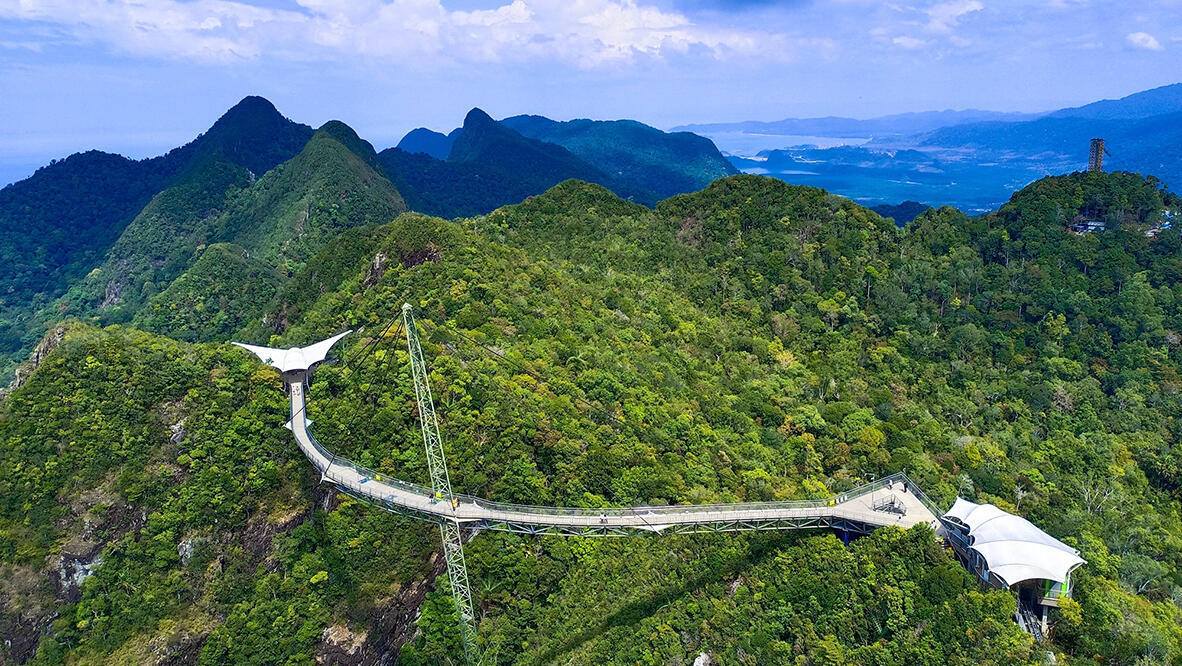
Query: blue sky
[140,76]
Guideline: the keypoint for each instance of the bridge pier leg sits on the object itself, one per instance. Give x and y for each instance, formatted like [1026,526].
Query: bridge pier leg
[461,592]
[845,537]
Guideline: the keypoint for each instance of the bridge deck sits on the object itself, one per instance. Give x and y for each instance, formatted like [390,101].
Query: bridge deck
[890,501]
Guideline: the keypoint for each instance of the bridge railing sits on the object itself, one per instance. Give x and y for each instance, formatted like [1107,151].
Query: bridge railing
[335,473]
[921,495]
[345,472]
[338,465]
[674,509]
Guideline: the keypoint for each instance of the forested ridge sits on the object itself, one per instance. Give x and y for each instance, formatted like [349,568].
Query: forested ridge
[662,163]
[751,341]
[67,219]
[97,236]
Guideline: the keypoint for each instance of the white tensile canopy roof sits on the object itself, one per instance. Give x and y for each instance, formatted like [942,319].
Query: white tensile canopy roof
[1014,549]
[296,358]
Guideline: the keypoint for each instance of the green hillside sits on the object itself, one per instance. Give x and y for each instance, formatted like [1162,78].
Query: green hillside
[159,244]
[341,259]
[64,222]
[220,293]
[130,444]
[292,211]
[753,341]
[281,220]
[662,163]
[56,225]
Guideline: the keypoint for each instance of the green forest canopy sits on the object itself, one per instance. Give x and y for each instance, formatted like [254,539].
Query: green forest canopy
[753,341]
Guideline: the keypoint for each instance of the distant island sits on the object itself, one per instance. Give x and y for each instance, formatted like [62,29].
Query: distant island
[972,160]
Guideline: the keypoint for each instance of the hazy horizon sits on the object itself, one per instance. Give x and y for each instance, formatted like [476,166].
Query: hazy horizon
[138,78]
[150,144]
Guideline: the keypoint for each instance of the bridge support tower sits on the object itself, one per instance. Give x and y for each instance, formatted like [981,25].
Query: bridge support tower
[453,545]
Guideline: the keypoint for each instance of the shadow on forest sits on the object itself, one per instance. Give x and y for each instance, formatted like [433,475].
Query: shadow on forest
[760,548]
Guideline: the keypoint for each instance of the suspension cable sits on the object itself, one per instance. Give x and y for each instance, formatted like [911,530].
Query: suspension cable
[365,353]
[371,345]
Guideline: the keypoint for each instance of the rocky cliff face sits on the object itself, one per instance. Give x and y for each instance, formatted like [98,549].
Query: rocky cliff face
[393,625]
[43,349]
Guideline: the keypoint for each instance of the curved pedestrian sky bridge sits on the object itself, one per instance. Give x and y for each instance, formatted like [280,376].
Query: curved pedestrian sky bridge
[893,500]
[1002,549]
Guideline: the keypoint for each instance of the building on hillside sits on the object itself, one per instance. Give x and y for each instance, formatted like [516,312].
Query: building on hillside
[1008,551]
[1086,224]
[1166,223]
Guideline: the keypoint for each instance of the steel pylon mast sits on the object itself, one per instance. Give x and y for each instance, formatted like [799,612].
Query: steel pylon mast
[453,547]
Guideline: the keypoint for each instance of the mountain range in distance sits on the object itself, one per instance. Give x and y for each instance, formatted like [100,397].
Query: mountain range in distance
[972,160]
[900,124]
[217,224]
[106,238]
[449,174]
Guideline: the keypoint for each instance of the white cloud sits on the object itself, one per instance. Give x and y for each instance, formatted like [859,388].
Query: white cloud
[35,47]
[585,33]
[944,16]
[1144,40]
[909,43]
[204,29]
[939,21]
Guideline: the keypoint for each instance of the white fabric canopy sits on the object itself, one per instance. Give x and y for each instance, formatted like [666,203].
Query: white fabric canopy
[1013,548]
[296,358]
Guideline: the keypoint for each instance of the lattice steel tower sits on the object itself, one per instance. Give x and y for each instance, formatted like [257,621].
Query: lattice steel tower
[1096,155]
[453,547]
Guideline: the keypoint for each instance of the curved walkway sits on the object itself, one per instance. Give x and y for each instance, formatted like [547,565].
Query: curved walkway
[891,501]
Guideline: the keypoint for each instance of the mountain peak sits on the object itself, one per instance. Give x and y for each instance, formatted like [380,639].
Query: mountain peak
[428,142]
[254,103]
[346,135]
[349,138]
[253,111]
[481,137]
[477,118]
[251,134]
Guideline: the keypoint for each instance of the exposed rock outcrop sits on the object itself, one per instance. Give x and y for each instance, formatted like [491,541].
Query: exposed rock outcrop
[50,342]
